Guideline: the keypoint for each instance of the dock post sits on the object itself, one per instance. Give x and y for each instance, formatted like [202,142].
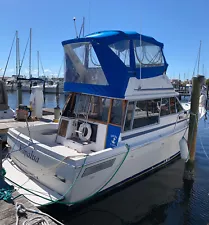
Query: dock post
[44,91]
[193,122]
[30,87]
[19,93]
[57,108]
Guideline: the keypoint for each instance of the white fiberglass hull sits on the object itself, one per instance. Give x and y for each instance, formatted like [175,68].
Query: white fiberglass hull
[74,177]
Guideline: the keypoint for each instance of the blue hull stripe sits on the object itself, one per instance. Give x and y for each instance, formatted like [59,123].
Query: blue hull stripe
[149,131]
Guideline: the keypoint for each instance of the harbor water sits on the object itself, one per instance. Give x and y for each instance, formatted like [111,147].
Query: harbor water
[50,99]
[158,198]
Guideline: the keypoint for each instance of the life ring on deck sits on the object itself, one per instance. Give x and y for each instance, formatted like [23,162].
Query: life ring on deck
[85,131]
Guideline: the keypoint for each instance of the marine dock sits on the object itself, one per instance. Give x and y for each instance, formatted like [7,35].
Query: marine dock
[8,215]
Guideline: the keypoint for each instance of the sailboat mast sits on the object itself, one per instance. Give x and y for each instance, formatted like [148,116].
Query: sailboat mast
[83,26]
[38,61]
[18,55]
[17,60]
[30,75]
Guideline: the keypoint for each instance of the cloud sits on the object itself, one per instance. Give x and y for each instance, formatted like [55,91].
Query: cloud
[47,71]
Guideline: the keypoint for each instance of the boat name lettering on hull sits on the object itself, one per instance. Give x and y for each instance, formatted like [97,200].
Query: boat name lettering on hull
[30,155]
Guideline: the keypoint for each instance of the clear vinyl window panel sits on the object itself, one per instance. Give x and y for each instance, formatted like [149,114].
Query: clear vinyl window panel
[89,107]
[147,55]
[82,64]
[122,50]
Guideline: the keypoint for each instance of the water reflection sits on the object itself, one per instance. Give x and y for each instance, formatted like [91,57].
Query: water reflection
[50,100]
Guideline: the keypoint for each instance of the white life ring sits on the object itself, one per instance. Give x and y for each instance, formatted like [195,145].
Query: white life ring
[84,135]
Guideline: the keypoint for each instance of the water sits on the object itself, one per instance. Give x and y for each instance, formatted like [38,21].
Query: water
[160,198]
[50,99]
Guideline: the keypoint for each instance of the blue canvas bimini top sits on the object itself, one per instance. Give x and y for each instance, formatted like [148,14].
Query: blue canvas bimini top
[103,62]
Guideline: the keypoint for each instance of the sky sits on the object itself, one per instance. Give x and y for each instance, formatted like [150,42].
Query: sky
[179,24]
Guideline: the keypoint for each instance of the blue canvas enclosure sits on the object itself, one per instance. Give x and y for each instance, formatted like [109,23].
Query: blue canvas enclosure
[102,63]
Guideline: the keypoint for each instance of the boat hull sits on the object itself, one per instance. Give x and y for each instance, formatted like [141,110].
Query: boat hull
[77,183]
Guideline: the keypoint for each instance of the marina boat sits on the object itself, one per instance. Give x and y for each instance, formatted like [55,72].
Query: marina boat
[122,119]
[5,111]
[51,87]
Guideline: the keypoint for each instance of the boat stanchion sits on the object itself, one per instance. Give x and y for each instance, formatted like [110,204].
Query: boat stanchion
[193,123]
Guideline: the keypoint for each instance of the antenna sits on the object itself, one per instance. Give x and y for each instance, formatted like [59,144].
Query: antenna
[30,75]
[82,28]
[89,16]
[18,53]
[198,66]
[140,56]
[74,19]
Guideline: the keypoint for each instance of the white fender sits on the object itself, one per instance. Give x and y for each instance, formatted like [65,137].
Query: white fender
[184,152]
[81,134]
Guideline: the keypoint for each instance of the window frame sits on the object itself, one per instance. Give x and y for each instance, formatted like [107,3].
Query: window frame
[133,113]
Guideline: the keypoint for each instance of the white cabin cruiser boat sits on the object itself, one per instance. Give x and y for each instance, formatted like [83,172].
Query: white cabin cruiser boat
[122,119]
[5,111]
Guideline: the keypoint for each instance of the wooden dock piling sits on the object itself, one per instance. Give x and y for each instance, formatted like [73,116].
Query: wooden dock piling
[19,93]
[193,123]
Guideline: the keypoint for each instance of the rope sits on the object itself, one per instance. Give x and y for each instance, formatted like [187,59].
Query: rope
[5,193]
[84,199]
[39,219]
[72,185]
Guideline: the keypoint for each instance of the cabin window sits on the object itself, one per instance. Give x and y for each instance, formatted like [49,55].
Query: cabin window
[146,113]
[91,107]
[82,64]
[173,105]
[122,50]
[116,112]
[165,108]
[147,54]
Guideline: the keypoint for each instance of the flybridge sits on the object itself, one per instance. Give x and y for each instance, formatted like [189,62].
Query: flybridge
[102,63]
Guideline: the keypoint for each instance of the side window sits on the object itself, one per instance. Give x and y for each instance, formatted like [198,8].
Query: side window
[129,115]
[172,105]
[146,113]
[153,109]
[178,106]
[116,112]
[165,109]
[140,114]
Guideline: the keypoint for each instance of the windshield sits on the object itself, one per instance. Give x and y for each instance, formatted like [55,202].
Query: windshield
[82,64]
